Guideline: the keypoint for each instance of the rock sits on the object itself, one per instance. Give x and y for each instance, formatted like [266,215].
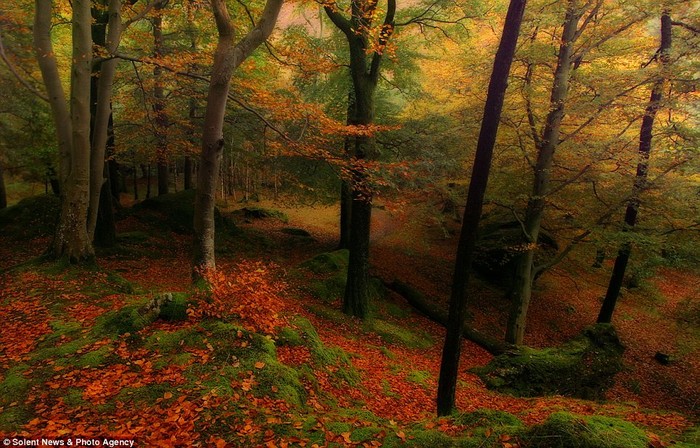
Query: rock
[584,367]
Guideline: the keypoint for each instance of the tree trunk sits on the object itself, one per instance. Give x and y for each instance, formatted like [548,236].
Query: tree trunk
[227,58]
[345,189]
[161,117]
[365,63]
[71,239]
[475,199]
[188,173]
[645,140]
[543,172]
[101,113]
[3,191]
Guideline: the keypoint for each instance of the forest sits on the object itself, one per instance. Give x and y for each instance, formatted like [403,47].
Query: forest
[335,223]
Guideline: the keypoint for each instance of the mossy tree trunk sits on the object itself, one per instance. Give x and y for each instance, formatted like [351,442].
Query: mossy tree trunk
[365,63]
[227,57]
[640,180]
[477,187]
[546,147]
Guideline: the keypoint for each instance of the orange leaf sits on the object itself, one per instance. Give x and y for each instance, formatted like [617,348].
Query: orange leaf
[259,365]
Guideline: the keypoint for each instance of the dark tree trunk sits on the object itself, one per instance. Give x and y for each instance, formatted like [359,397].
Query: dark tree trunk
[104,233]
[161,117]
[105,230]
[345,214]
[475,199]
[365,63]
[645,140]
[3,191]
[115,180]
[345,188]
[188,173]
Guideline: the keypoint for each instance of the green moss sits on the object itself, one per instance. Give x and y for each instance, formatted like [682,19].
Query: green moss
[583,367]
[120,284]
[74,397]
[573,431]
[338,427]
[174,310]
[14,386]
[418,376]
[168,341]
[327,356]
[365,434]
[395,334]
[12,419]
[95,357]
[128,319]
[60,351]
[280,381]
[328,262]
[331,314]
[329,289]
[289,336]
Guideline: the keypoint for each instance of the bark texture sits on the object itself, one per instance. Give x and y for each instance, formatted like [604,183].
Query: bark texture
[477,187]
[227,58]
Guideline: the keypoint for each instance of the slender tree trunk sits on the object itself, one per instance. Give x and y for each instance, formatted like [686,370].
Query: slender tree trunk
[475,199]
[188,173]
[543,172]
[136,184]
[3,191]
[161,117]
[227,57]
[645,140]
[345,188]
[101,113]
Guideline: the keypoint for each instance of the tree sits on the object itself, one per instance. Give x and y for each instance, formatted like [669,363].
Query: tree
[640,181]
[546,147]
[71,239]
[477,188]
[227,57]
[365,62]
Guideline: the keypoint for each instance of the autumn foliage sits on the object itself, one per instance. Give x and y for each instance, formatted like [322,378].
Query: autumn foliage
[249,291]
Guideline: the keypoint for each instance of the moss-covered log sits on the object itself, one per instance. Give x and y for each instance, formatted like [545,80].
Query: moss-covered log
[436,313]
[584,367]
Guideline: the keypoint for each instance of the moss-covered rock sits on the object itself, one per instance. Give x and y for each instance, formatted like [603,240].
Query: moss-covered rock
[565,430]
[262,213]
[328,262]
[583,367]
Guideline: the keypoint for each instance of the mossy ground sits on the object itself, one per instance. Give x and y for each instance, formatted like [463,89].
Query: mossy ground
[230,378]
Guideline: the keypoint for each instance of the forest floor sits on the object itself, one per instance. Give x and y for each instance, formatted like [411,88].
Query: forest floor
[77,360]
